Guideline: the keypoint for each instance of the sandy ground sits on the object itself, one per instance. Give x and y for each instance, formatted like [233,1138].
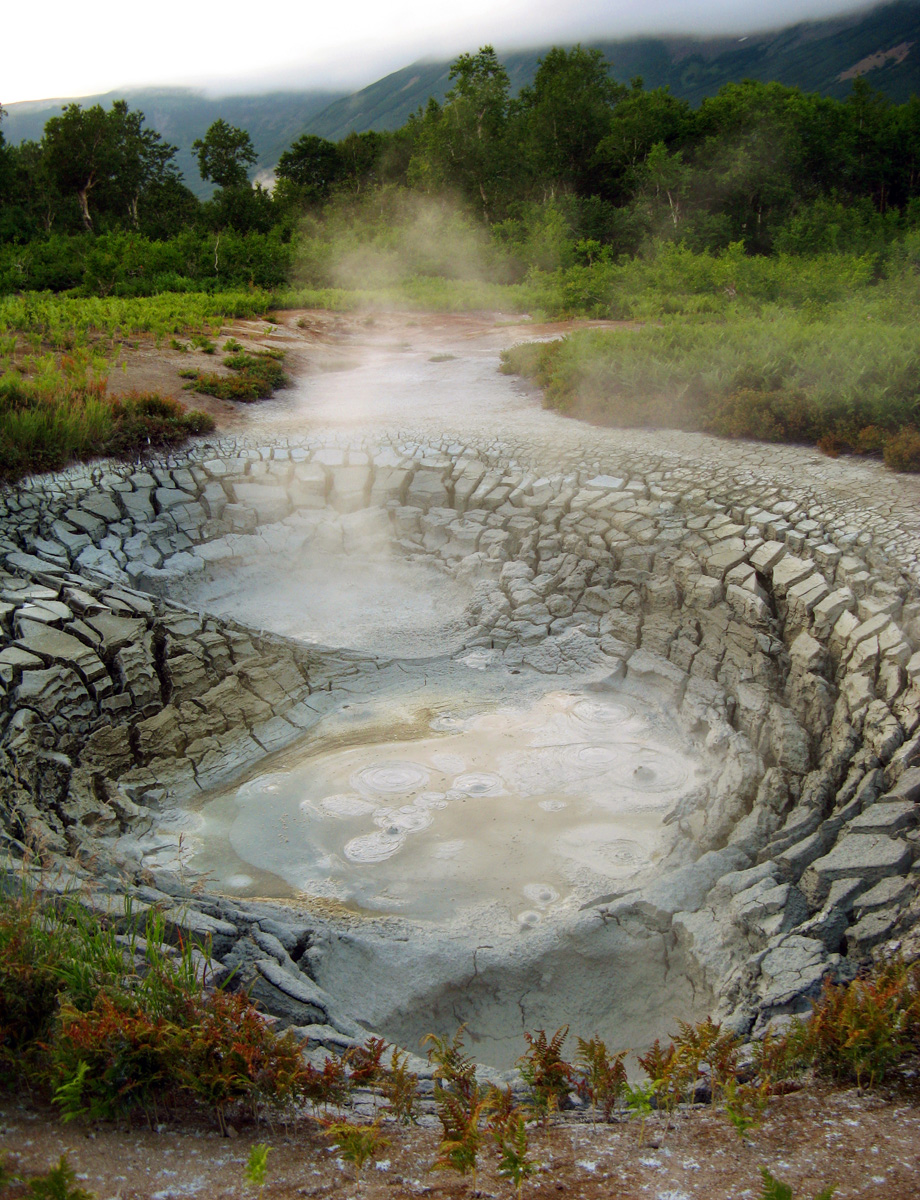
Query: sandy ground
[438,374]
[346,369]
[867,1146]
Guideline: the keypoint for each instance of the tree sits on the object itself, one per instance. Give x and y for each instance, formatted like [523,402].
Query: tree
[144,162]
[311,168]
[7,175]
[461,143]
[565,115]
[224,154]
[105,157]
[78,150]
[245,209]
[640,121]
[33,201]
[362,156]
[166,208]
[664,182]
[751,160]
[873,142]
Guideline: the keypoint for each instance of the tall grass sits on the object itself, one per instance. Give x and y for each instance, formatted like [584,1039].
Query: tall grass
[844,373]
[45,428]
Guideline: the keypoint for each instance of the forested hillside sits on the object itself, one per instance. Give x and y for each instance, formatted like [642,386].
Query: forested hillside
[774,231]
[576,168]
[823,56]
[882,44]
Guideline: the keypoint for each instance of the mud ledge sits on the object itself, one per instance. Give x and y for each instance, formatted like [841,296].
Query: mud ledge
[780,632]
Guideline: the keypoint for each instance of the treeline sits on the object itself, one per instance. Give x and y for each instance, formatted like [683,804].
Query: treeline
[577,168]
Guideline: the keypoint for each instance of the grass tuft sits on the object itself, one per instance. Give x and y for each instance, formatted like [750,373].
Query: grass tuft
[44,428]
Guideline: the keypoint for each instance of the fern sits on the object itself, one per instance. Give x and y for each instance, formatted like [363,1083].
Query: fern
[546,1073]
[60,1183]
[774,1190]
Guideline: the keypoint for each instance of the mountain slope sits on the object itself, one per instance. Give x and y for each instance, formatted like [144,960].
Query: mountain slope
[815,56]
[883,44]
[181,115]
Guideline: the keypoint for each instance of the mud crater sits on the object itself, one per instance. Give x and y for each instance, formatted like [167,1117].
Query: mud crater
[450,738]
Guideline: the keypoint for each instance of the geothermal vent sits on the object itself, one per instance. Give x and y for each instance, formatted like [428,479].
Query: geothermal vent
[424,733]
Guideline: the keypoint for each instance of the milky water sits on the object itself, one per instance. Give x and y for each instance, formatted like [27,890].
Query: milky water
[383,604]
[530,806]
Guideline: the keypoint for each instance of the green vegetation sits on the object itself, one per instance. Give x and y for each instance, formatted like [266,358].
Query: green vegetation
[773,1189]
[256,1169]
[579,167]
[58,1183]
[55,350]
[357,1144]
[548,1076]
[769,239]
[254,376]
[44,430]
[774,349]
[105,1037]
[63,322]
[516,1163]
[110,1026]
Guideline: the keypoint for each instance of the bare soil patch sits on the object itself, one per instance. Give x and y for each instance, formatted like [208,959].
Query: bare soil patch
[869,1146]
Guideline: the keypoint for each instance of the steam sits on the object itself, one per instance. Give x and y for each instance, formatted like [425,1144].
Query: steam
[375,603]
[383,242]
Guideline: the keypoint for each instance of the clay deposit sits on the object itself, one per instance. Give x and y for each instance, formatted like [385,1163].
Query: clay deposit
[425,723]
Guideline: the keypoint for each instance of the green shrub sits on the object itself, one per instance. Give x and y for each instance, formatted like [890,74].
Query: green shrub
[846,378]
[43,428]
[57,1183]
[31,953]
[255,377]
[108,1042]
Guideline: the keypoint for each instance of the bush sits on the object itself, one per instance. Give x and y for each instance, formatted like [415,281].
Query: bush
[108,1042]
[45,427]
[126,264]
[30,956]
[255,377]
[862,1030]
[902,450]
[845,378]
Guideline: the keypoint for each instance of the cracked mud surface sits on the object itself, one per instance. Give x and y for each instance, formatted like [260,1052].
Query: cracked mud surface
[763,598]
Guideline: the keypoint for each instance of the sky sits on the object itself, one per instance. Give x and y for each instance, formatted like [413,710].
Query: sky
[64,48]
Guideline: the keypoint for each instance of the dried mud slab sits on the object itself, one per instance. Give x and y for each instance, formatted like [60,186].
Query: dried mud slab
[756,606]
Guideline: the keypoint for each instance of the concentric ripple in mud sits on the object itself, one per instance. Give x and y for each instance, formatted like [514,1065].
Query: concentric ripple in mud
[526,806]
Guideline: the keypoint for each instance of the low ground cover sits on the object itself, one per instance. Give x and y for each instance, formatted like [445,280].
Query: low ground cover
[44,428]
[817,349]
[842,374]
[106,1027]
[55,351]
[252,376]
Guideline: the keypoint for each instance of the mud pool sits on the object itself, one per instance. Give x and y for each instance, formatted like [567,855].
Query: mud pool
[378,604]
[427,713]
[517,810]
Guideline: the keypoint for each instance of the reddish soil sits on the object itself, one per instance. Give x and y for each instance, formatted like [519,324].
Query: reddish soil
[313,340]
[866,1145]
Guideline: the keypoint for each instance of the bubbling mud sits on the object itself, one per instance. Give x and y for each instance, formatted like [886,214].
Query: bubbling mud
[380,604]
[529,807]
